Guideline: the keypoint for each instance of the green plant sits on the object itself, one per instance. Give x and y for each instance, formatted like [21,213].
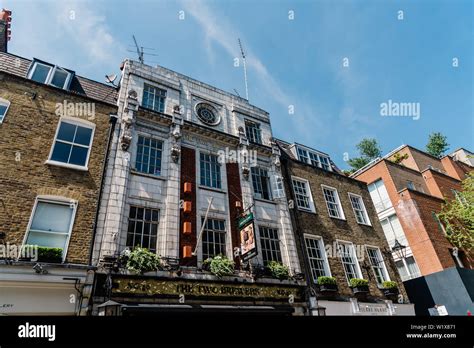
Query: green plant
[324,280]
[44,254]
[389,284]
[142,260]
[437,144]
[369,150]
[397,158]
[220,266]
[278,270]
[357,282]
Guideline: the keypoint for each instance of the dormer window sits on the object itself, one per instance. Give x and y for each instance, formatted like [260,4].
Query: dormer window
[313,158]
[50,75]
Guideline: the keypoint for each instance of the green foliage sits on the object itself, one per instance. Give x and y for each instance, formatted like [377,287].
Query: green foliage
[323,280]
[457,216]
[142,260]
[389,284]
[45,254]
[397,158]
[369,150]
[220,266]
[357,282]
[278,270]
[437,144]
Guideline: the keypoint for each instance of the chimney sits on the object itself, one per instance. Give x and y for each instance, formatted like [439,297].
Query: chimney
[5,31]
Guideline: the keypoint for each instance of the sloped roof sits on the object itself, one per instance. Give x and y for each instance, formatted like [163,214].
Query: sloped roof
[19,66]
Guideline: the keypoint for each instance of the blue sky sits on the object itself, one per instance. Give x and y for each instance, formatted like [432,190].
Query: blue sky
[296,62]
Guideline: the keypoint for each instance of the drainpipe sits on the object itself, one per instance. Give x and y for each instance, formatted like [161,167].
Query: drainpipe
[299,237]
[113,121]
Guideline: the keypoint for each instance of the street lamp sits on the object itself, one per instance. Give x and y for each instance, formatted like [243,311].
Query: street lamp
[399,249]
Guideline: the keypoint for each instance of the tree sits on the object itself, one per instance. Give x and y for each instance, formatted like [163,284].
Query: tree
[457,216]
[369,150]
[437,144]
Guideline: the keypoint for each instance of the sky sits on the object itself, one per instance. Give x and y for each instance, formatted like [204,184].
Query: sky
[321,68]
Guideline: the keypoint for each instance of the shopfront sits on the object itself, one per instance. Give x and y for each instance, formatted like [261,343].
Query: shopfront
[141,295]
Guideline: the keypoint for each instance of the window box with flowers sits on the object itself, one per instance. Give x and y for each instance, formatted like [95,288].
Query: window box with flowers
[390,288]
[327,284]
[359,286]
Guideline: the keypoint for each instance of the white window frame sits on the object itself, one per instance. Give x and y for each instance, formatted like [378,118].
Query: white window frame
[350,194]
[338,202]
[6,103]
[260,242]
[78,122]
[228,237]
[50,76]
[222,174]
[353,255]
[267,182]
[320,242]
[151,137]
[312,207]
[147,83]
[386,276]
[54,200]
[311,156]
[255,135]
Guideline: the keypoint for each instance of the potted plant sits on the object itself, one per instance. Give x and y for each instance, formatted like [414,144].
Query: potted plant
[327,284]
[278,270]
[53,255]
[141,260]
[359,285]
[390,288]
[219,266]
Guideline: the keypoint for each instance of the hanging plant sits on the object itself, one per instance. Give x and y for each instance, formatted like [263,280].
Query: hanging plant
[278,270]
[219,266]
[142,260]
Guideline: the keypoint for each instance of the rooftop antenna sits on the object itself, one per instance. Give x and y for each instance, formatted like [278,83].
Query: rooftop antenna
[139,51]
[245,70]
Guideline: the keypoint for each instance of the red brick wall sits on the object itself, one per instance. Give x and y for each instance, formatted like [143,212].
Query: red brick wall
[235,195]
[441,185]
[427,240]
[454,168]
[188,174]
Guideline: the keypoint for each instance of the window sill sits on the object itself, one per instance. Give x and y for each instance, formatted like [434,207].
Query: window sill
[202,187]
[368,225]
[136,172]
[67,165]
[337,218]
[263,200]
[307,210]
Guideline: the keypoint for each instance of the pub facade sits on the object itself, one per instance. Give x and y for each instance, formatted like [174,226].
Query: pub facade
[194,178]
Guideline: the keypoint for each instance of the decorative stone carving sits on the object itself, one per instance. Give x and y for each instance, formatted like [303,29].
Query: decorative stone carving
[175,152]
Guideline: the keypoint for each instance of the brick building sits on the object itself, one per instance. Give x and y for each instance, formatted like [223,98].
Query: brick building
[408,188]
[189,158]
[338,235]
[54,130]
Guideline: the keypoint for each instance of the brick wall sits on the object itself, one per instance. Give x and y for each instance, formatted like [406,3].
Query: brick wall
[28,130]
[188,174]
[235,195]
[331,229]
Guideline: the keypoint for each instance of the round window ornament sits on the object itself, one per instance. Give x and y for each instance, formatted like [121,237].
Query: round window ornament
[207,114]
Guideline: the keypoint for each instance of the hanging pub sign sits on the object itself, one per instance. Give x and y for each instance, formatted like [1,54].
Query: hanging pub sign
[248,243]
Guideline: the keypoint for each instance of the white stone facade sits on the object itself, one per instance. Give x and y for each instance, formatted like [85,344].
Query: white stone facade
[125,186]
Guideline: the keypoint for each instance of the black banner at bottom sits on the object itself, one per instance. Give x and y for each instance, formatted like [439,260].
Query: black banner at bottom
[229,329]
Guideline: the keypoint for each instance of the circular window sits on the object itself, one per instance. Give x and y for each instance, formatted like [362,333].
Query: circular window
[207,114]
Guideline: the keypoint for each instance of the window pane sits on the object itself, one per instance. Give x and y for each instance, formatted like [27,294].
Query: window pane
[61,152]
[3,110]
[83,136]
[50,240]
[59,78]
[78,155]
[66,131]
[41,73]
[50,217]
